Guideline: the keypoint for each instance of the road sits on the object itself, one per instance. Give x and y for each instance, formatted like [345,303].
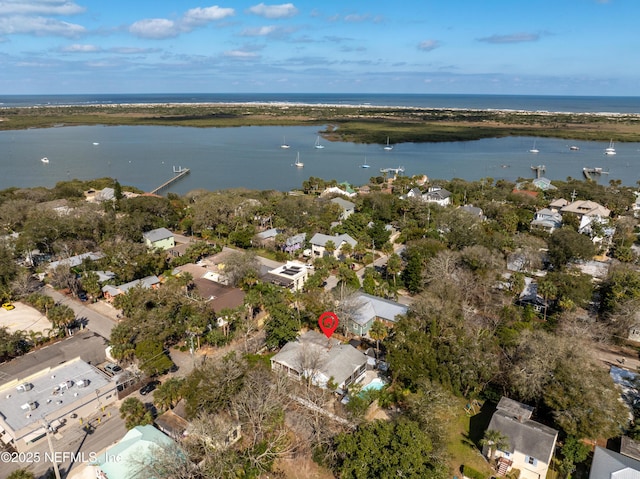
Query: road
[94,320]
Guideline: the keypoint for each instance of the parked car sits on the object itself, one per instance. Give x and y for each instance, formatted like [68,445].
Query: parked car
[82,296]
[8,306]
[112,369]
[147,388]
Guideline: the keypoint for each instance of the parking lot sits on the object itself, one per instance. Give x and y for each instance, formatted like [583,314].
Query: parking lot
[24,318]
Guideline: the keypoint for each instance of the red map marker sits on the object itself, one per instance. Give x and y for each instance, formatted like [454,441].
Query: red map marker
[328,322]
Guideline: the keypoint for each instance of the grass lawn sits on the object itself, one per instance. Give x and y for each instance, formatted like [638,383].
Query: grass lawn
[464,432]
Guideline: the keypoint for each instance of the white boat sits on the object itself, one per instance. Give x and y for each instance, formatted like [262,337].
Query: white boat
[574,148]
[298,163]
[365,164]
[284,144]
[534,149]
[45,160]
[610,150]
[95,143]
[318,145]
[388,147]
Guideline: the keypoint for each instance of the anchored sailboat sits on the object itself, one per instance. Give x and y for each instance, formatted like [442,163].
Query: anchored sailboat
[284,143]
[298,163]
[388,147]
[610,150]
[318,145]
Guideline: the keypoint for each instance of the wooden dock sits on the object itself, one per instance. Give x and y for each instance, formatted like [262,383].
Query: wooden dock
[179,172]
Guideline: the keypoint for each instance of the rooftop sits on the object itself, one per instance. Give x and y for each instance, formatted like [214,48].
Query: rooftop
[158,234]
[47,392]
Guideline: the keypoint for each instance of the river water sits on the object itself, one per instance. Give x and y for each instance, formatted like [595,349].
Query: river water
[251,157]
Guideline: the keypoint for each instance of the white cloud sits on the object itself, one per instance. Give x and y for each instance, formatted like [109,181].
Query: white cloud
[512,38]
[39,26]
[79,48]
[356,18]
[202,16]
[155,28]
[260,31]
[159,28]
[39,7]
[240,54]
[428,45]
[132,50]
[285,10]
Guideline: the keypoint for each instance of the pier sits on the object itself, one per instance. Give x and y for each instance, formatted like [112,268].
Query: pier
[178,172]
[540,169]
[395,171]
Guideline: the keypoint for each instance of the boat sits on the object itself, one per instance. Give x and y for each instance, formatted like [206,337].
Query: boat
[399,169]
[534,149]
[95,143]
[45,160]
[365,164]
[318,145]
[284,144]
[610,150]
[298,163]
[574,148]
[388,147]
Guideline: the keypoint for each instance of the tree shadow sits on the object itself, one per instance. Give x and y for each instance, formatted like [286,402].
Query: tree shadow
[479,422]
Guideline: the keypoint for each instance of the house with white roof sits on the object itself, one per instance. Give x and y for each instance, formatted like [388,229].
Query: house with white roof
[347,207]
[368,309]
[547,219]
[150,282]
[291,275]
[160,238]
[319,359]
[319,241]
[530,444]
[607,464]
[438,195]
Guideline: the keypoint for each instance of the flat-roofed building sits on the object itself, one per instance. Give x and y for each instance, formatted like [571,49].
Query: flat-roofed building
[52,397]
[292,275]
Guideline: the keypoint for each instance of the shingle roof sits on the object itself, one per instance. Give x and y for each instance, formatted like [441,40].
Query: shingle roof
[374,307]
[335,359]
[526,436]
[344,204]
[320,239]
[158,234]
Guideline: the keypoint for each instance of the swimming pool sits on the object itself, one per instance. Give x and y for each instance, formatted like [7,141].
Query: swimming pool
[374,385]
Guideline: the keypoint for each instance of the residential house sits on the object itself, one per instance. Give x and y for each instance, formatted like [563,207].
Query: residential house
[74,261]
[413,193]
[267,236]
[438,195]
[347,207]
[160,238]
[134,453]
[332,190]
[219,296]
[530,444]
[582,208]
[367,309]
[319,241]
[547,219]
[319,359]
[530,297]
[110,291]
[473,211]
[558,204]
[291,275]
[607,464]
[543,183]
[294,243]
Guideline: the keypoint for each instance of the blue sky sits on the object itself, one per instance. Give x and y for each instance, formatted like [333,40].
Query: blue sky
[552,47]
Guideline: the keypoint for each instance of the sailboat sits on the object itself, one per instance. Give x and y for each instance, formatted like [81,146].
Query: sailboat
[318,145]
[298,163]
[534,149]
[610,150]
[45,160]
[284,143]
[388,147]
[365,164]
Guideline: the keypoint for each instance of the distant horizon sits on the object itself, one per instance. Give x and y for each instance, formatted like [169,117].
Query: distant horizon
[573,47]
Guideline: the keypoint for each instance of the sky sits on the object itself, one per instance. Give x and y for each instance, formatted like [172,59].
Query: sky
[520,47]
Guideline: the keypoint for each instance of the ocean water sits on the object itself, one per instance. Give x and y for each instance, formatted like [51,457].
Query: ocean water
[251,157]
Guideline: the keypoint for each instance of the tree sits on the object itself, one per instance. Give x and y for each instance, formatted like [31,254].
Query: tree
[567,245]
[573,452]
[21,474]
[394,266]
[152,358]
[281,327]
[330,247]
[239,266]
[135,413]
[387,450]
[548,291]
[168,394]
[494,441]
[378,332]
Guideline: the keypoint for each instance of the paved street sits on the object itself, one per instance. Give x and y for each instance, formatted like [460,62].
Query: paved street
[96,316]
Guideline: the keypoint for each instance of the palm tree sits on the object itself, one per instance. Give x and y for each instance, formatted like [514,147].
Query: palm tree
[378,332]
[494,441]
[548,291]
